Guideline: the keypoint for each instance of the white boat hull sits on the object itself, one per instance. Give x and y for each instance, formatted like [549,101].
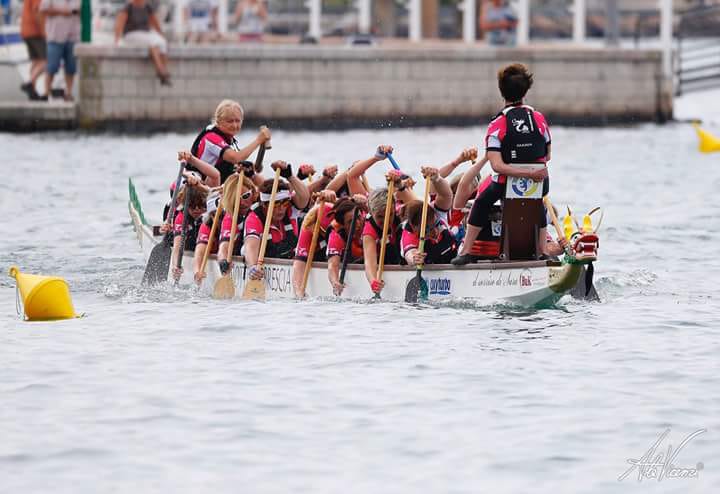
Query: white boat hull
[525,283]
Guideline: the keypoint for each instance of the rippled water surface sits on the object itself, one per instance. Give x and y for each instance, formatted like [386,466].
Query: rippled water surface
[167,391]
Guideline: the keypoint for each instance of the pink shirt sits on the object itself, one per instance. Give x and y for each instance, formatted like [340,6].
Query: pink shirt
[303,246]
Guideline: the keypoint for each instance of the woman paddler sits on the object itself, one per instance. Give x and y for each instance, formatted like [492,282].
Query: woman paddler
[292,197]
[248,197]
[342,214]
[203,237]
[197,204]
[326,198]
[440,245]
[216,144]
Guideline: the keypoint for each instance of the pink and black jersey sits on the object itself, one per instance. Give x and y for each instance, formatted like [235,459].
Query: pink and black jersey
[210,145]
[521,134]
[226,228]
[193,227]
[392,251]
[305,239]
[440,245]
[282,240]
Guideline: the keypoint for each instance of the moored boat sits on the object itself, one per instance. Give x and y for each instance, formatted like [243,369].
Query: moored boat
[525,283]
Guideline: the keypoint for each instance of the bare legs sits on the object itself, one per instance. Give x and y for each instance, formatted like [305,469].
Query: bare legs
[159,60]
[37,67]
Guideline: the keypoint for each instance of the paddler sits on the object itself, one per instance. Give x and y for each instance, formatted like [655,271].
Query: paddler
[216,144]
[302,251]
[342,214]
[248,197]
[292,197]
[518,134]
[197,204]
[440,245]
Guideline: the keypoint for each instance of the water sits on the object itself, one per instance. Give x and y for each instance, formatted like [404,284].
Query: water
[168,391]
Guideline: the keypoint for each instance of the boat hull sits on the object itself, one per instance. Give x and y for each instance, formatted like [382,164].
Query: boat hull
[525,283]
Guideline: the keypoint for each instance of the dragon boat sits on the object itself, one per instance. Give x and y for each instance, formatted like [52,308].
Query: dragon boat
[526,282]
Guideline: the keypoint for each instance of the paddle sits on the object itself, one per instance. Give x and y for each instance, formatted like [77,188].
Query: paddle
[556,224]
[418,286]
[209,246]
[255,289]
[313,246]
[183,233]
[158,263]
[386,228]
[225,286]
[348,245]
[392,161]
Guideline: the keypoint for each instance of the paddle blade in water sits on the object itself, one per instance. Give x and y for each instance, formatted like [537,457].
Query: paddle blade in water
[158,264]
[254,290]
[224,288]
[416,289]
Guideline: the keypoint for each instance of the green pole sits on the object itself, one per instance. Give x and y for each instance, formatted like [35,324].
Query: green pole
[85,21]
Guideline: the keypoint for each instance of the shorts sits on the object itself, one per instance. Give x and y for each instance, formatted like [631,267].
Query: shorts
[61,51]
[146,39]
[36,47]
[489,193]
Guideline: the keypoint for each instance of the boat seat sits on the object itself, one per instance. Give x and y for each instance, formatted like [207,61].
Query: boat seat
[522,208]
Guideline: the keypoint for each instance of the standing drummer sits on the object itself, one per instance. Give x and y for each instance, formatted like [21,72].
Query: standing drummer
[518,134]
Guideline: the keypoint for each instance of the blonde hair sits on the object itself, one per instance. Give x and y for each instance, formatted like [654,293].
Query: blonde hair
[225,107]
[377,201]
[230,188]
[310,218]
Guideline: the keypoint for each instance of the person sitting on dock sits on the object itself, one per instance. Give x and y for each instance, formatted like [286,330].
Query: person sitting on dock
[216,144]
[519,134]
[137,25]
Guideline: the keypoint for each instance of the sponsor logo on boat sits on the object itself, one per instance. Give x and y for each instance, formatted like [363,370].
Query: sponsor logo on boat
[504,278]
[524,187]
[278,279]
[526,278]
[439,286]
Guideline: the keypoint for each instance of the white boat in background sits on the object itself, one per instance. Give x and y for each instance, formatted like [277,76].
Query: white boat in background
[524,283]
[14,63]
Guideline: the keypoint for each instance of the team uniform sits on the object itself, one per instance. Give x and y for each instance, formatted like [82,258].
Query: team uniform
[522,135]
[193,227]
[281,241]
[226,228]
[392,250]
[305,239]
[337,241]
[210,146]
[439,249]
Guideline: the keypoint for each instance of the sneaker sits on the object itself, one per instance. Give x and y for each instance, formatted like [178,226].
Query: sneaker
[29,89]
[43,98]
[463,259]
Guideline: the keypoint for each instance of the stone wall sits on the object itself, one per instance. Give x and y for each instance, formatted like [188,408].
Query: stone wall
[325,86]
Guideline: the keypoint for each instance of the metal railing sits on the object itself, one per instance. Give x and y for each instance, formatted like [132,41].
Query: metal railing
[698,49]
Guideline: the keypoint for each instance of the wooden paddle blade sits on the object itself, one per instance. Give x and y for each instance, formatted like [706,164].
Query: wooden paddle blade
[224,288]
[254,290]
[158,265]
[416,289]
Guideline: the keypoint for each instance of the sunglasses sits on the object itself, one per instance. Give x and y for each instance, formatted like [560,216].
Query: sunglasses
[246,195]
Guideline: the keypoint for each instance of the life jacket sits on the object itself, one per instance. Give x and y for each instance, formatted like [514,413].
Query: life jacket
[440,251]
[237,247]
[193,228]
[392,251]
[285,249]
[224,167]
[356,248]
[523,141]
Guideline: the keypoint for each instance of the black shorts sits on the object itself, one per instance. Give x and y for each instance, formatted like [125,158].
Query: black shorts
[483,204]
[37,48]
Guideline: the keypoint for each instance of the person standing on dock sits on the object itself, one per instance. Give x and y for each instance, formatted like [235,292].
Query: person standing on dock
[32,30]
[62,28]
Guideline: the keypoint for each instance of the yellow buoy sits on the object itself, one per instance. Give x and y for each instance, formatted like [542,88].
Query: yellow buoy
[44,297]
[708,142]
